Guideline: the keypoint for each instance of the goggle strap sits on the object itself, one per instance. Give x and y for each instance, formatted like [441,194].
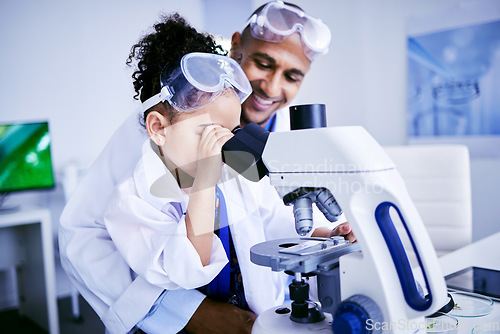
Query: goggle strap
[252,19]
[162,96]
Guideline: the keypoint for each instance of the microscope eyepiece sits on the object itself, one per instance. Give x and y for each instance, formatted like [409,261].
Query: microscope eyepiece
[236,129]
[243,152]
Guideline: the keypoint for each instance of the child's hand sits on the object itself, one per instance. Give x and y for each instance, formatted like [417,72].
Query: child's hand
[213,138]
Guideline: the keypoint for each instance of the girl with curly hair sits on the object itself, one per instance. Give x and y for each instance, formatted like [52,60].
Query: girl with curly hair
[180,225]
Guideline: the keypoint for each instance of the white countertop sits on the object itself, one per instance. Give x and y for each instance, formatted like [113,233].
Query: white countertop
[483,253]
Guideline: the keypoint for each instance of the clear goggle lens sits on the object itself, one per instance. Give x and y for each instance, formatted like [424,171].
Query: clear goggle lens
[198,80]
[276,21]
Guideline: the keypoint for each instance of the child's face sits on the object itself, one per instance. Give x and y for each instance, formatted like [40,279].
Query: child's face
[181,141]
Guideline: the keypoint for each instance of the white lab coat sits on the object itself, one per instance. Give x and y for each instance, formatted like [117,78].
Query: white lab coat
[96,267]
[88,255]
[282,122]
[146,222]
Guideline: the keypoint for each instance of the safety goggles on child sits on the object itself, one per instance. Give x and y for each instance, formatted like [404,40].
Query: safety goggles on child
[199,79]
[277,20]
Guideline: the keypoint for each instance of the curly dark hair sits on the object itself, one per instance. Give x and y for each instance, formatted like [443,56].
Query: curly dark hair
[172,38]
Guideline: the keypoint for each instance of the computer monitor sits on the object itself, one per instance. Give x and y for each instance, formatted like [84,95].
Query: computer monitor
[25,159]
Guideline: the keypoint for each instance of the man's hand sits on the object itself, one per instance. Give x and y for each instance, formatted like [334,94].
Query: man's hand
[215,317]
[344,230]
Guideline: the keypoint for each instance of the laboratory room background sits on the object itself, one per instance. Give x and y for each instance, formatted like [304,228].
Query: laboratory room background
[413,73]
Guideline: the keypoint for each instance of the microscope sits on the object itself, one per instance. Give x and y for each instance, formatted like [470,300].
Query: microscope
[368,286]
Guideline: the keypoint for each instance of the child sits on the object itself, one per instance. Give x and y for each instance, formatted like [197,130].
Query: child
[170,218]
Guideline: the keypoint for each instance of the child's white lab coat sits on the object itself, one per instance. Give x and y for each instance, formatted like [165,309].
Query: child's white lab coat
[146,220]
[117,294]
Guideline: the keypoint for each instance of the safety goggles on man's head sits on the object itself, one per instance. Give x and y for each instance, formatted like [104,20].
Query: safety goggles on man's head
[197,80]
[277,20]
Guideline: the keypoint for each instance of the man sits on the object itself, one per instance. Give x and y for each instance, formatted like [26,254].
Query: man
[275,58]
[275,69]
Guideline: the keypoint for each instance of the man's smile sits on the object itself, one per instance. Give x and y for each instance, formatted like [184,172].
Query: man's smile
[262,104]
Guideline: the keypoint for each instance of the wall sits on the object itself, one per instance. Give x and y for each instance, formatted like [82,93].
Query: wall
[362,80]
[65,61]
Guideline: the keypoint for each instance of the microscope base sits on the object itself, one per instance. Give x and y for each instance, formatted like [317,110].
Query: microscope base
[270,322]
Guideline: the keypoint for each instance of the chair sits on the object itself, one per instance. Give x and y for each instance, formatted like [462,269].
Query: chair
[438,181]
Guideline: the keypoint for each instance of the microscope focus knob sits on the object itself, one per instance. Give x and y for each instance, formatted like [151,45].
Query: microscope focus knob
[357,314]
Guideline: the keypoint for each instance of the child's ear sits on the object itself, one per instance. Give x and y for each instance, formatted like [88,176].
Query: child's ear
[155,125]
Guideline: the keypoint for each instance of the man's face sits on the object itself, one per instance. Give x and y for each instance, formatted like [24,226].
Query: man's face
[275,71]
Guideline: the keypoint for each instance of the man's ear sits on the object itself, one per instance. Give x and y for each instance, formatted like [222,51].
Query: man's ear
[236,46]
[155,125]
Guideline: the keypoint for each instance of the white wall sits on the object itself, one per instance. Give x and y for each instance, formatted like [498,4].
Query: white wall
[362,80]
[65,61]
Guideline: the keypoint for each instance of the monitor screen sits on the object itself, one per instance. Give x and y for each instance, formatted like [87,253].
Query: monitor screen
[25,160]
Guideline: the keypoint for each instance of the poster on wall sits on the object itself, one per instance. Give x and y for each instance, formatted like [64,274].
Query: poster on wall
[454,83]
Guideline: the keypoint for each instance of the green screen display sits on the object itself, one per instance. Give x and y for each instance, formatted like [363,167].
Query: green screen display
[25,160]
